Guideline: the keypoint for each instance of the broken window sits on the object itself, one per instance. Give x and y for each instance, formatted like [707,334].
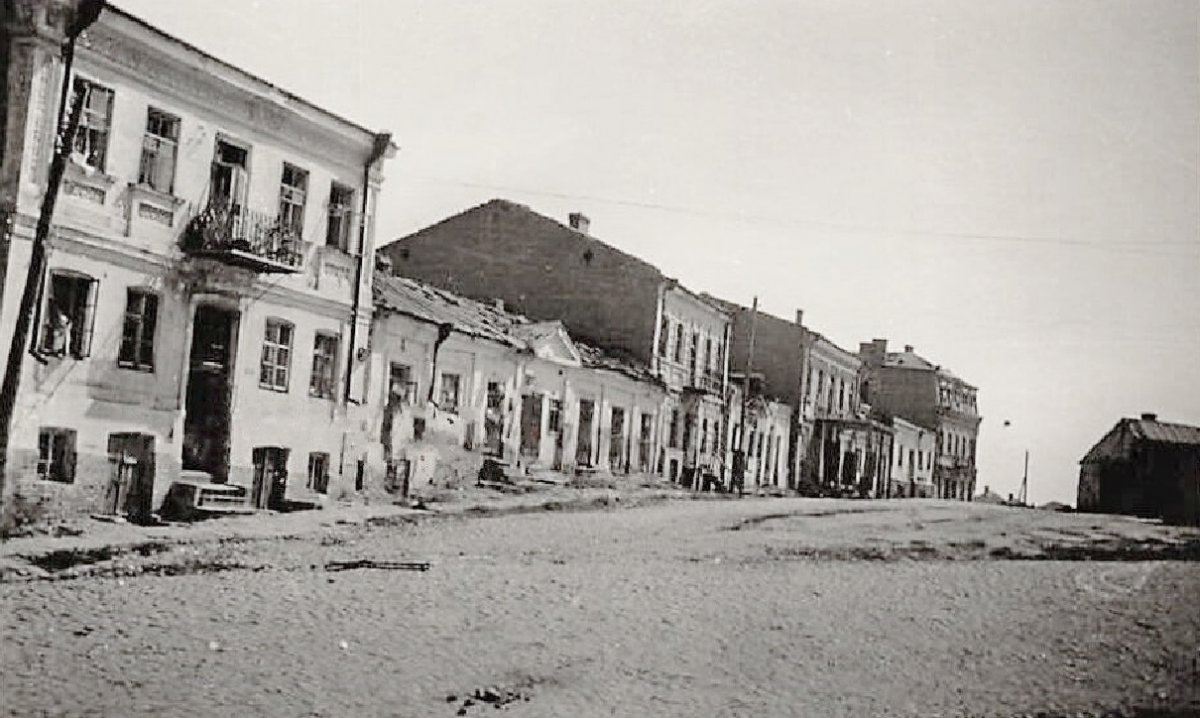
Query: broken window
[137,333]
[325,351]
[292,191]
[276,355]
[341,216]
[449,393]
[318,472]
[229,177]
[157,168]
[401,387]
[70,315]
[56,454]
[91,139]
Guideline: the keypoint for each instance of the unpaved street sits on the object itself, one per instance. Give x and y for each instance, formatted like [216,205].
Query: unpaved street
[705,608]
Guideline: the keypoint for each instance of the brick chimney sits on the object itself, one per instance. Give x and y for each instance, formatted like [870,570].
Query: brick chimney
[579,222]
[1149,417]
[908,348]
[799,317]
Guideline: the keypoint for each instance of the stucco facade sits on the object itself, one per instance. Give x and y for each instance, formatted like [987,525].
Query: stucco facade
[913,454]
[450,375]
[606,298]
[148,341]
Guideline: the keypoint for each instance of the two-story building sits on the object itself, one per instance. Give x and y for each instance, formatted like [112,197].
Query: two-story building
[604,297]
[907,385]
[207,303]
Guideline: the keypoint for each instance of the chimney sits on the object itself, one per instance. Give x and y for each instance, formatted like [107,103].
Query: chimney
[1149,417]
[579,222]
[908,348]
[799,317]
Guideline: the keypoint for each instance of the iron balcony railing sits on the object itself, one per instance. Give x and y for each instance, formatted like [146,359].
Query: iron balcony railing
[245,236]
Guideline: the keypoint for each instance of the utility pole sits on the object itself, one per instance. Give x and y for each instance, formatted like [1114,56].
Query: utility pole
[1025,480]
[739,454]
[85,13]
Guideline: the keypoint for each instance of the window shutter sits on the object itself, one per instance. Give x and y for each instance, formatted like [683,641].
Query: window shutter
[89,320]
[237,189]
[149,324]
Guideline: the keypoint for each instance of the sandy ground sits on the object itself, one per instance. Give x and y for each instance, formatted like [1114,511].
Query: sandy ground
[758,607]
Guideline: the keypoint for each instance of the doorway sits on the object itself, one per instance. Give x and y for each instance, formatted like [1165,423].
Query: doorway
[616,440]
[531,424]
[583,445]
[270,477]
[131,486]
[207,417]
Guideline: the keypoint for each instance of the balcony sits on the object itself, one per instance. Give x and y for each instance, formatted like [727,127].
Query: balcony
[704,381]
[244,238]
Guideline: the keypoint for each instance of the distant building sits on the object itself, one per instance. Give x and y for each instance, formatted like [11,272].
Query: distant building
[768,425]
[547,270]
[1144,467]
[907,385]
[914,450]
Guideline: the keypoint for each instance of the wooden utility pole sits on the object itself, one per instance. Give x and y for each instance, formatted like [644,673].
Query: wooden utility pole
[37,266]
[1025,480]
[739,455]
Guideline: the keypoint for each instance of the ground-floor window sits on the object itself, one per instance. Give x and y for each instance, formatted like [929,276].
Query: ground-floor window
[318,472]
[56,454]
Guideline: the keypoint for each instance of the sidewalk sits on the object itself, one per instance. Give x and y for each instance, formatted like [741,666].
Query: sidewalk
[17,554]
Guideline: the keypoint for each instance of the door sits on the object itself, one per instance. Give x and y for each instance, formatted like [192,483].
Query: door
[131,488]
[531,424]
[583,445]
[616,440]
[270,477]
[207,417]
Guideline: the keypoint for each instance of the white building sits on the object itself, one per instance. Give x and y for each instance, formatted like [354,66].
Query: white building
[206,305]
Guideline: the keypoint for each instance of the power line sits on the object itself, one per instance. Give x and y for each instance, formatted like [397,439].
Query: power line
[1128,246]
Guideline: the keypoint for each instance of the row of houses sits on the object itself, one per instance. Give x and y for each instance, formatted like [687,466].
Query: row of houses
[216,318]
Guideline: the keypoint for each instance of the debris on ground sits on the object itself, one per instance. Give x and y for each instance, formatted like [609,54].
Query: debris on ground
[370,563]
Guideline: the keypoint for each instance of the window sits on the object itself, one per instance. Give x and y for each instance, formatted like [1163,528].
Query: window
[325,351]
[708,354]
[56,455]
[157,169]
[920,459]
[401,388]
[673,432]
[276,356]
[554,420]
[70,314]
[137,334]
[341,216]
[292,190]
[229,177]
[704,437]
[912,459]
[91,139]
[664,337]
[449,395]
[318,472]
[678,356]
[495,396]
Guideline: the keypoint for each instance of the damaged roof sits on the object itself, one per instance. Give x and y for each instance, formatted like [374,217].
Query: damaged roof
[1164,433]
[427,303]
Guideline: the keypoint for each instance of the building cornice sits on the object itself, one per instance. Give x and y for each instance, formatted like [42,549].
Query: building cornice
[165,66]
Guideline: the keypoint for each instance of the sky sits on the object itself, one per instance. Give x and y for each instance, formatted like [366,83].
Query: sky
[1011,187]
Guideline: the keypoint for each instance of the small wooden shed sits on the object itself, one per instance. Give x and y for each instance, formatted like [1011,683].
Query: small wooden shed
[1144,467]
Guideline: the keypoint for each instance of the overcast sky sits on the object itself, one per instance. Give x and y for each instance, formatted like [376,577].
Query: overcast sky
[1012,187]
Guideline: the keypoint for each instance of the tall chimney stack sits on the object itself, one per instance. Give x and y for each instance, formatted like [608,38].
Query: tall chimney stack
[799,317]
[579,222]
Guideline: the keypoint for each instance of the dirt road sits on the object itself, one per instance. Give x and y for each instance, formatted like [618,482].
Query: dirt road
[709,608]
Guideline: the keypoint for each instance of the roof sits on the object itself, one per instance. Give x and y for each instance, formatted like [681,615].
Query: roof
[1112,445]
[1161,432]
[427,303]
[908,360]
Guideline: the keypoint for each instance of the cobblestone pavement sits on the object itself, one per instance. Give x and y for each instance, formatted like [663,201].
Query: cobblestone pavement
[709,608]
